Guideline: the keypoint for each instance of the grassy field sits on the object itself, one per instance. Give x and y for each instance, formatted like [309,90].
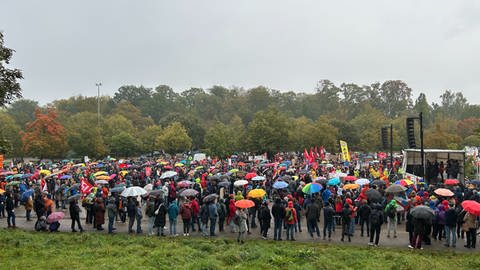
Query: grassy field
[32,250]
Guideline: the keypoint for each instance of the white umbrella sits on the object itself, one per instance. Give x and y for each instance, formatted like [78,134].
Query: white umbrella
[342,175]
[133,192]
[148,187]
[168,174]
[258,178]
[101,182]
[240,183]
[362,181]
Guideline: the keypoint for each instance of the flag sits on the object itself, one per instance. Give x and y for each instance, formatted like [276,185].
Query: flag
[305,155]
[45,187]
[85,187]
[316,152]
[322,152]
[345,153]
[312,156]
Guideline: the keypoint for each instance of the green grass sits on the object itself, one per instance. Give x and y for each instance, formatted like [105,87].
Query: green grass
[33,250]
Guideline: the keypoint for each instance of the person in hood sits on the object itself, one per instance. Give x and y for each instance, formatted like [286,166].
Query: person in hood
[186,214]
[391,213]
[290,220]
[264,218]
[376,220]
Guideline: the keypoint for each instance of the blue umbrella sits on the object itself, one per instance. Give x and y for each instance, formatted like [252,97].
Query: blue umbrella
[280,185]
[326,195]
[117,189]
[27,175]
[66,176]
[475,182]
[26,194]
[334,181]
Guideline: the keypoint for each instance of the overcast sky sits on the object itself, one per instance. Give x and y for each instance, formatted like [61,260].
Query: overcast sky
[65,47]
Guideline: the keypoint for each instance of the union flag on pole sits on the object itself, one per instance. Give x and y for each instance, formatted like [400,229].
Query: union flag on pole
[85,187]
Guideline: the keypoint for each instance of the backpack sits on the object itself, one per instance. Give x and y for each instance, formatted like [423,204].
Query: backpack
[289,215]
[375,217]
[391,212]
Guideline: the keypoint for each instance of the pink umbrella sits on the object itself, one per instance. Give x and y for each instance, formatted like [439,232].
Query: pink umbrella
[250,175]
[55,216]
[112,176]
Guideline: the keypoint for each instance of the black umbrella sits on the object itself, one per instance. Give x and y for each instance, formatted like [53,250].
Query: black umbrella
[224,184]
[74,197]
[155,192]
[373,195]
[394,188]
[422,212]
[378,183]
[210,198]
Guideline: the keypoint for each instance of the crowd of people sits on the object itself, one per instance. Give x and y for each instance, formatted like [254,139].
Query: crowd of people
[236,195]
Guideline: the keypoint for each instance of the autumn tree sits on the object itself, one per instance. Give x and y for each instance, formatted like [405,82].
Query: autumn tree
[174,139]
[45,137]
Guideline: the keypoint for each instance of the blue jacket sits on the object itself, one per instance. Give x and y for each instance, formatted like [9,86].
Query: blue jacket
[173,210]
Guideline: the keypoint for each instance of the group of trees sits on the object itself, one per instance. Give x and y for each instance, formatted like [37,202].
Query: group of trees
[221,121]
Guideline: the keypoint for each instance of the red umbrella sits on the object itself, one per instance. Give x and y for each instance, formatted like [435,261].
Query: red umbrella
[250,175]
[472,207]
[244,204]
[241,164]
[350,178]
[451,182]
[123,166]
[55,216]
[443,192]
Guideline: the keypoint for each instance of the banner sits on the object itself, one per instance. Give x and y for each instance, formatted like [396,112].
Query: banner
[345,153]
[1,161]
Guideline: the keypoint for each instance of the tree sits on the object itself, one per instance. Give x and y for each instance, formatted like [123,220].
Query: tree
[368,125]
[9,87]
[123,144]
[148,138]
[174,139]
[137,95]
[45,137]
[84,136]
[191,123]
[10,139]
[396,97]
[268,132]
[23,111]
[132,113]
[422,106]
[442,135]
[220,140]
[453,104]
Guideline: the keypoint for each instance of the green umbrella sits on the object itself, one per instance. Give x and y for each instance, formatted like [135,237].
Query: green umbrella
[13,183]
[19,175]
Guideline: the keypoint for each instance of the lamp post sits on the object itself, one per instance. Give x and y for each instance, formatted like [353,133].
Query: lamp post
[98,101]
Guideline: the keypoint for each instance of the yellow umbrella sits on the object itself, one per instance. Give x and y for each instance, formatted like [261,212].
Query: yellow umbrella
[100,173]
[179,165]
[351,186]
[103,177]
[256,193]
[2,191]
[123,173]
[45,172]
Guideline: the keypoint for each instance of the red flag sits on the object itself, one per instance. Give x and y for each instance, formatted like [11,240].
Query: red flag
[305,155]
[322,152]
[316,152]
[85,187]
[312,157]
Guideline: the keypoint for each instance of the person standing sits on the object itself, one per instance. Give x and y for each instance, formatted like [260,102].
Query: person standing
[290,220]
[150,213]
[74,210]
[213,216]
[278,212]
[131,212]
[160,217]
[312,214]
[222,214]
[264,218]
[172,217]
[10,207]
[29,208]
[99,214]
[419,229]
[391,212]
[204,216]
[242,225]
[195,212]
[346,221]
[112,214]
[328,220]
[375,219]
[186,213]
[470,228]
[138,217]
[364,215]
[451,226]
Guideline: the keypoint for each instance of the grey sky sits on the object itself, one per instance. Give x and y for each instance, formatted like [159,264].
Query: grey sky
[64,47]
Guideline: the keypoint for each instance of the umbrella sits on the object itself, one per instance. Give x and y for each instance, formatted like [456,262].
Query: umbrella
[13,183]
[168,174]
[379,183]
[224,184]
[333,182]
[342,175]
[6,173]
[395,188]
[117,189]
[286,178]
[55,216]
[471,207]
[351,186]
[244,204]
[27,175]
[101,182]
[2,191]
[311,188]
[443,192]
[329,165]
[45,172]
[451,182]
[112,176]
[475,182]
[74,197]
[240,183]
[233,170]
[155,192]
[26,194]
[148,187]
[250,175]
[362,181]
[404,182]
[133,192]
[350,178]
[123,173]
[66,176]
[258,178]
[103,177]
[189,193]
[184,184]
[210,197]
[214,178]
[256,193]
[18,175]
[241,164]
[373,195]
[179,165]
[422,212]
[100,173]
[198,168]
[280,185]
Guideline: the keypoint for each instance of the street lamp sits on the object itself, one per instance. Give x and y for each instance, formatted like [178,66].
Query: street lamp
[98,101]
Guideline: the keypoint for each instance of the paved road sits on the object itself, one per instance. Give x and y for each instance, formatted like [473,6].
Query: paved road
[400,242]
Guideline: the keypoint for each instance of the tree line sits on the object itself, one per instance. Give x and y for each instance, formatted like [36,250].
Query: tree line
[221,121]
